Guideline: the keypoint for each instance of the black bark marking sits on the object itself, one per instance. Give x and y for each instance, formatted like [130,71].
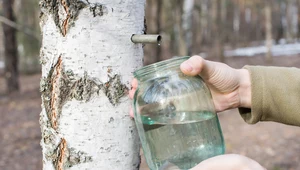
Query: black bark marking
[83,88]
[70,7]
[114,89]
[65,157]
[59,87]
[51,7]
[98,9]
[77,157]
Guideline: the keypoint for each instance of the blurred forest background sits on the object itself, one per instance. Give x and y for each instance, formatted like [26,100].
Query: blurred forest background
[236,32]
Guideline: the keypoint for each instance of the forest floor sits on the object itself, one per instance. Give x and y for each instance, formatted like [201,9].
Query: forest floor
[273,145]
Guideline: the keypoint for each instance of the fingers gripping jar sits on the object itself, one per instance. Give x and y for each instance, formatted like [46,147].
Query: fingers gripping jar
[175,117]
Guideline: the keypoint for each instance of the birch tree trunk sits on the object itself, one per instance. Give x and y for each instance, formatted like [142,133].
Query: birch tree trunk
[87,63]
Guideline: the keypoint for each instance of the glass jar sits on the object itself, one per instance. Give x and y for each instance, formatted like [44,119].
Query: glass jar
[175,117]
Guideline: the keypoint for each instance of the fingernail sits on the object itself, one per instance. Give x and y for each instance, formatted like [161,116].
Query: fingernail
[185,65]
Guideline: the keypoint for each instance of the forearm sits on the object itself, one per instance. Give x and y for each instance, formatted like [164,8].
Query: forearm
[244,88]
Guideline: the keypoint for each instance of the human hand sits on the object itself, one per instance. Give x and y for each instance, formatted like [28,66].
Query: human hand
[230,88]
[229,162]
[134,85]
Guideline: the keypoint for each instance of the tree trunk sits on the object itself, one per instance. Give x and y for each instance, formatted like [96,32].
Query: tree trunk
[10,49]
[218,31]
[87,63]
[179,32]
[223,10]
[204,21]
[236,23]
[27,13]
[187,18]
[290,30]
[268,19]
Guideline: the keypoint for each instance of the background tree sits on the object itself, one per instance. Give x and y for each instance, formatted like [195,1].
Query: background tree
[27,14]
[269,40]
[10,49]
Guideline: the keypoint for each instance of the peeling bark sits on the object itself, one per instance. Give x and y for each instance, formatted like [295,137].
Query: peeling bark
[114,89]
[64,12]
[61,154]
[55,92]
[60,87]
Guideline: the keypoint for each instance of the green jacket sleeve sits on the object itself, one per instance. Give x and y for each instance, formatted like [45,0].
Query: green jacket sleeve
[275,95]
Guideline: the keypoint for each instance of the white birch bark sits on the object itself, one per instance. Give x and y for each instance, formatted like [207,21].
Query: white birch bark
[87,63]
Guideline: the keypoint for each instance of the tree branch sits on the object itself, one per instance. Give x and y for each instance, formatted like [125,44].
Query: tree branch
[19,27]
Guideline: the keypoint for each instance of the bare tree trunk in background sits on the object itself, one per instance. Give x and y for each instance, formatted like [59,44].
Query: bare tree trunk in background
[218,32]
[27,13]
[296,20]
[87,63]
[213,17]
[203,21]
[298,17]
[268,19]
[290,32]
[153,19]
[10,49]
[223,10]
[236,23]
[179,32]
[187,18]
[277,17]
[258,22]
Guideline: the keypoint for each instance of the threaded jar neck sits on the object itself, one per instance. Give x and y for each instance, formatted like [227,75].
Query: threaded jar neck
[159,69]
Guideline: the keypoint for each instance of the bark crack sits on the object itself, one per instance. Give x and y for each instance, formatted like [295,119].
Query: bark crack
[60,87]
[67,157]
[65,12]
[61,154]
[65,22]
[54,95]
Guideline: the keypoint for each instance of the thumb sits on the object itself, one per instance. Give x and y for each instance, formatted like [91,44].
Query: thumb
[196,65]
[193,66]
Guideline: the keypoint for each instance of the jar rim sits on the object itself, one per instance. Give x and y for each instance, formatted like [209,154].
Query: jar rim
[161,65]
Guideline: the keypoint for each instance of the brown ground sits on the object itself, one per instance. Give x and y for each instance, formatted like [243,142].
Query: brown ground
[275,146]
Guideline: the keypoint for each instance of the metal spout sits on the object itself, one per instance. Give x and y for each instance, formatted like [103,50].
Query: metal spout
[146,38]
